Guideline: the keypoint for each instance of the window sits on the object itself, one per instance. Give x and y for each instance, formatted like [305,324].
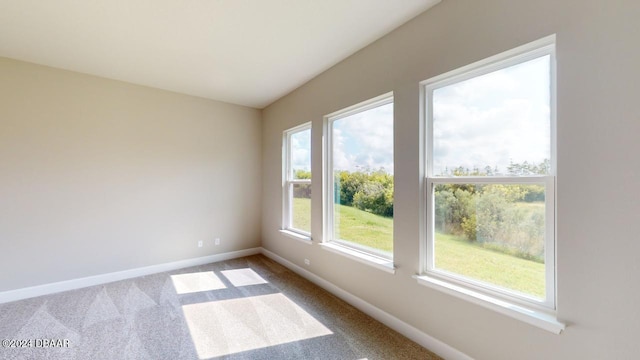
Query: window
[297,180]
[359,193]
[490,178]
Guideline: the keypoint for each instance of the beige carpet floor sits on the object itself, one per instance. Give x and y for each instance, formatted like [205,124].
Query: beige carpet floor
[247,308]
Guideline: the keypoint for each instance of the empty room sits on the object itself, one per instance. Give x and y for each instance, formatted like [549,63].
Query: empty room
[319,179]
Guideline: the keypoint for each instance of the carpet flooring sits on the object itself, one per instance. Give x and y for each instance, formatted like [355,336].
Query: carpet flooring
[246,308]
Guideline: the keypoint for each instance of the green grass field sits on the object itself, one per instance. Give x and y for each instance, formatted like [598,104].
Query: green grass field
[457,255]
[355,225]
[453,253]
[364,228]
[301,214]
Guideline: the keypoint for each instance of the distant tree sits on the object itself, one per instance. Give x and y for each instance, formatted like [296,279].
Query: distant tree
[347,184]
[366,190]
[478,211]
[302,190]
[302,174]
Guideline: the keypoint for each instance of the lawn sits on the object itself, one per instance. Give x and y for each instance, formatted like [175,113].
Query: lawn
[301,218]
[364,228]
[453,254]
[354,225]
[457,255]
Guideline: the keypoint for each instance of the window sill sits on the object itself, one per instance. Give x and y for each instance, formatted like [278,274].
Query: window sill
[294,235]
[536,318]
[371,260]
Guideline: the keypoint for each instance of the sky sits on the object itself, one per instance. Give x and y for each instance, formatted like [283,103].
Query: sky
[301,150]
[364,141]
[493,119]
[489,120]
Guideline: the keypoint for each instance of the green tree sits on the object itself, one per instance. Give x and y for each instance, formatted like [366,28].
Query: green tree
[367,190]
[302,174]
[302,190]
[347,184]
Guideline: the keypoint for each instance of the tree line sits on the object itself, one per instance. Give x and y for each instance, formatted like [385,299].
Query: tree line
[367,190]
[370,191]
[505,217]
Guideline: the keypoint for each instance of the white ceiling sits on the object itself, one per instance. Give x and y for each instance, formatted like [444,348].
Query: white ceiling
[247,52]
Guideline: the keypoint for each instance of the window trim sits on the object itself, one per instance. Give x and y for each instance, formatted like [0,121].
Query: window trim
[287,185]
[520,306]
[371,256]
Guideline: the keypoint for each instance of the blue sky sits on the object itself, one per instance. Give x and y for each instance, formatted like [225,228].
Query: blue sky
[493,119]
[301,150]
[364,140]
[489,120]
[361,141]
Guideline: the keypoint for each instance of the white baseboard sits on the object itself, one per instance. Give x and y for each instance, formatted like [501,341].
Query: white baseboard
[46,289]
[389,320]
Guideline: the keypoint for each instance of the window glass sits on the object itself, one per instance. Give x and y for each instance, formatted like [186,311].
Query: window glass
[301,207]
[496,124]
[491,185]
[297,181]
[362,161]
[301,154]
[492,233]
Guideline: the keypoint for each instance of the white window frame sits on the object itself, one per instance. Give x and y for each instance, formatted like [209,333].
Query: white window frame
[363,254]
[538,312]
[288,182]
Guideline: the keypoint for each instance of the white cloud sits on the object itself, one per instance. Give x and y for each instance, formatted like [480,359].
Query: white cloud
[364,140]
[301,150]
[493,119]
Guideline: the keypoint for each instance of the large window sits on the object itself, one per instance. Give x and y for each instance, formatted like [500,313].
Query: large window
[359,160]
[297,180]
[490,177]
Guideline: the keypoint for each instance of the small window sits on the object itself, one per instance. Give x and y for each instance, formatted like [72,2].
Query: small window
[490,177]
[359,160]
[297,180]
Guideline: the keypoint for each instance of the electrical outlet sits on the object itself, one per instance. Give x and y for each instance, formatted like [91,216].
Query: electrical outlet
[307,262]
[200,243]
[217,241]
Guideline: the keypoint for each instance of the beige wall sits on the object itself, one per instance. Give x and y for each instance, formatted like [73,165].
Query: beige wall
[598,173]
[99,176]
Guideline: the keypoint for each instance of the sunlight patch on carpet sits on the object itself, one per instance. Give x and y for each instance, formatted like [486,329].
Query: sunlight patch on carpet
[243,277]
[197,282]
[220,328]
